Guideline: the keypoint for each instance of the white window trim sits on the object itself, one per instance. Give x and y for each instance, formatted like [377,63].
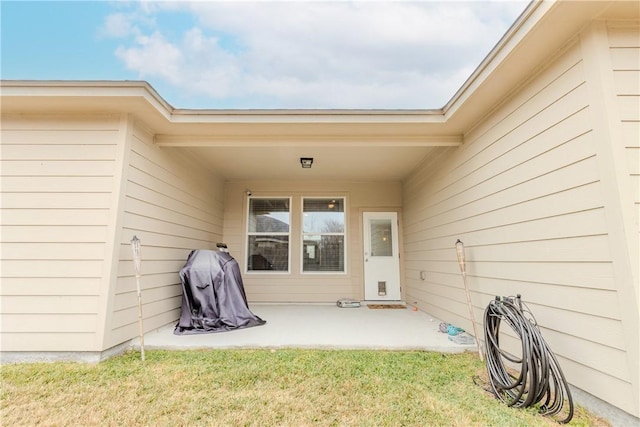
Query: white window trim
[344,234]
[248,233]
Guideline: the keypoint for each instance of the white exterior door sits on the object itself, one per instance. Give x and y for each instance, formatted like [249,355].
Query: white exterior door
[381,256]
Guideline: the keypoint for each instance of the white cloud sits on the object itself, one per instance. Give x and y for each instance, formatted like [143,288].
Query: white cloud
[311,54]
[117,25]
[154,57]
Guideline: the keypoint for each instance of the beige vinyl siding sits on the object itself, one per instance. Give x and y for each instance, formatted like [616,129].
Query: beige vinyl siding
[57,188]
[308,287]
[525,196]
[174,206]
[624,41]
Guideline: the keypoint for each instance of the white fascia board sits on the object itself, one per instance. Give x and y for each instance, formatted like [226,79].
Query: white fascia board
[308,116]
[140,89]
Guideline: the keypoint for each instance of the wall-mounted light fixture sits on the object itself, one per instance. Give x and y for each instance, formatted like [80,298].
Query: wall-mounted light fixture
[306,162]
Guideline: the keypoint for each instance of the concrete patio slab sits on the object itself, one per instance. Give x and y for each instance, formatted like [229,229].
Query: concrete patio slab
[321,327]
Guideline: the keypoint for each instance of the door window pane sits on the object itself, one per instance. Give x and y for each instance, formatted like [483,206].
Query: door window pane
[381,243]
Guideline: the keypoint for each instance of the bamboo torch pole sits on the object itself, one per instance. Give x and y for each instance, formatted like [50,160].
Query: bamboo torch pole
[463,269]
[135,248]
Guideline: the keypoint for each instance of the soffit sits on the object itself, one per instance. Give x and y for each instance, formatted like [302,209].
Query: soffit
[622,10]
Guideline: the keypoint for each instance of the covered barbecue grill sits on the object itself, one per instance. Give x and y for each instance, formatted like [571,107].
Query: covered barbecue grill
[213,297]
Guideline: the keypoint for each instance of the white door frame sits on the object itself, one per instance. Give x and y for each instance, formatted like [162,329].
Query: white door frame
[381,271]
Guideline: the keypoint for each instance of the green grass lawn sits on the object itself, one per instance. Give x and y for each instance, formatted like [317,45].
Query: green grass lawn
[262,388]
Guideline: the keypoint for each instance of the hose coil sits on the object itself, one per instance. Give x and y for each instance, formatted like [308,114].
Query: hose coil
[540,379]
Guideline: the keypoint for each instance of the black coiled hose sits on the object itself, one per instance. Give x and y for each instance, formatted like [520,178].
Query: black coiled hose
[540,379]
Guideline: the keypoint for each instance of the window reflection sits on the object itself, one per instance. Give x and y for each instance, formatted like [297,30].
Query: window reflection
[381,243]
[323,234]
[268,234]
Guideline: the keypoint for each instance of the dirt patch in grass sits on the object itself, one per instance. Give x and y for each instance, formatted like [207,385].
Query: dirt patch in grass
[261,387]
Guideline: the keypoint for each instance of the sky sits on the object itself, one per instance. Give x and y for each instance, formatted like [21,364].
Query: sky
[260,54]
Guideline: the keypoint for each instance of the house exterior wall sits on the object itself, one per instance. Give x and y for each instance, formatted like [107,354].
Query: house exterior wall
[58,179]
[75,190]
[534,197]
[624,49]
[173,205]
[307,287]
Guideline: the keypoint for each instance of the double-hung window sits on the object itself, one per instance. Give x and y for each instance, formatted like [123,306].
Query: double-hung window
[323,235]
[268,234]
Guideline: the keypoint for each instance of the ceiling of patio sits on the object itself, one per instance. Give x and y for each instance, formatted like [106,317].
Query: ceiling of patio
[353,145]
[329,163]
[356,145]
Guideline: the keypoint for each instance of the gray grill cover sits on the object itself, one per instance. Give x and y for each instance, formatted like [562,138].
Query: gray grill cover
[213,297]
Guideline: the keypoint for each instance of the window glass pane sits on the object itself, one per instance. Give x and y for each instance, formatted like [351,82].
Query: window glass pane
[323,216]
[268,252]
[323,253]
[269,215]
[381,244]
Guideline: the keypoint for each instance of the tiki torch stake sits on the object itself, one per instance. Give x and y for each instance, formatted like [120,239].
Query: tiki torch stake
[135,248]
[463,269]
